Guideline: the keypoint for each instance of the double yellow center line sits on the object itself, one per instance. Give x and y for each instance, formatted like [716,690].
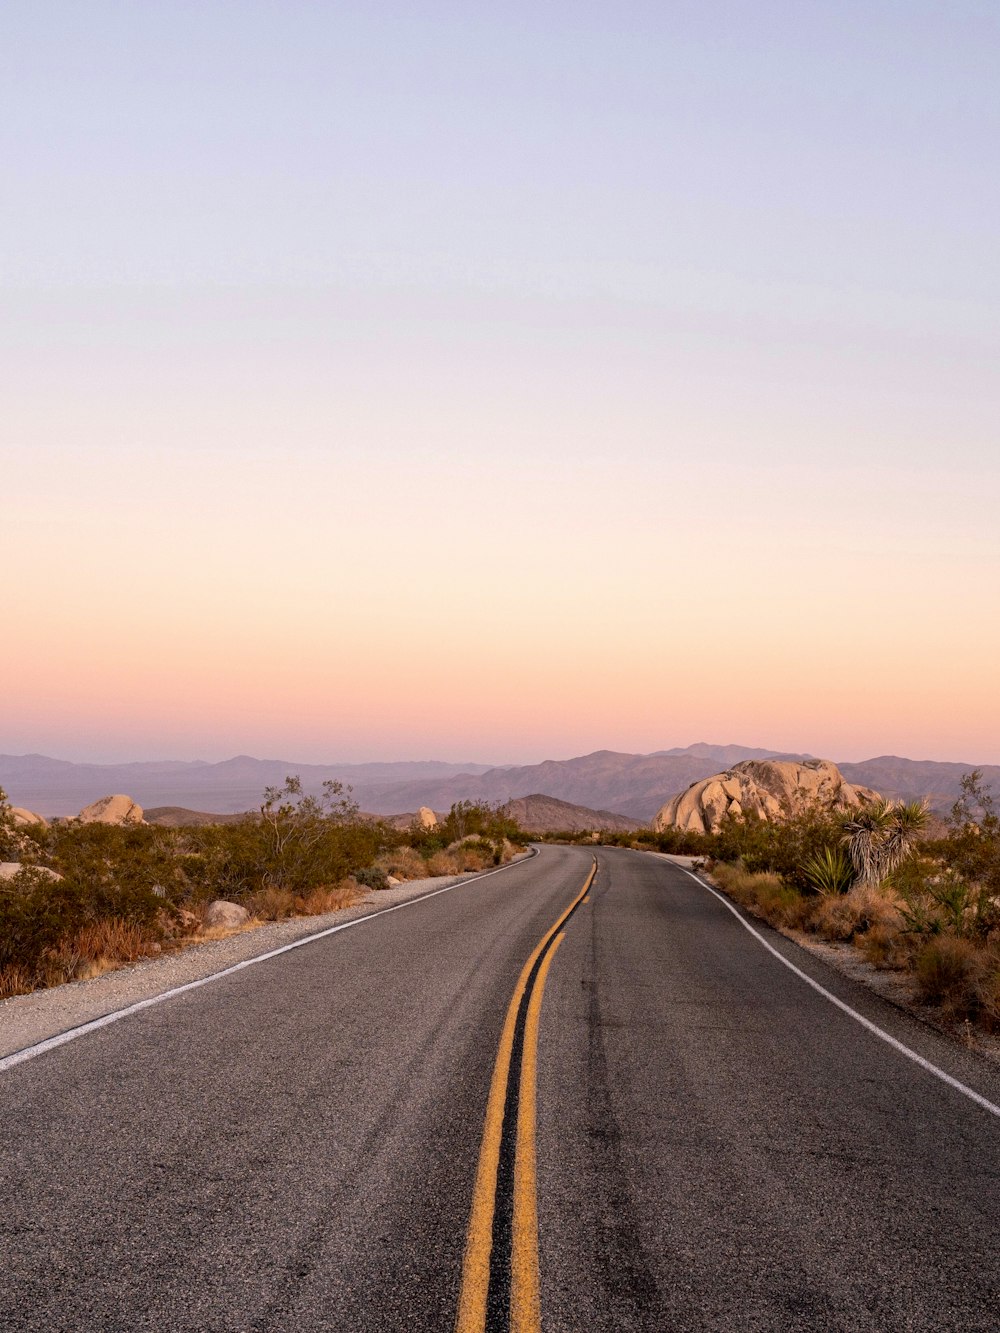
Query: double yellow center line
[500,1276]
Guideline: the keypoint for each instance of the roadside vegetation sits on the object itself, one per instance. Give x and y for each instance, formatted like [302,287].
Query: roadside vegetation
[917,896]
[90,897]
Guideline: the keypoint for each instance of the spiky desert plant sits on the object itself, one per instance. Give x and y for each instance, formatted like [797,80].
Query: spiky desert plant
[829,871]
[881,836]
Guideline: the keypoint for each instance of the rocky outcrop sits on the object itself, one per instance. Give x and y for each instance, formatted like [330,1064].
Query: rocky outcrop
[769,788]
[112,810]
[224,914]
[426,817]
[21,817]
[10,869]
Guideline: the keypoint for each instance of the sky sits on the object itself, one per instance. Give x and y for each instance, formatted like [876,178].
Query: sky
[499,382]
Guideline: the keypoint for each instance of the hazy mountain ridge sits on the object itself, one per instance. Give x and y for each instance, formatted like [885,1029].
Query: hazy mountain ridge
[632,785]
[60,787]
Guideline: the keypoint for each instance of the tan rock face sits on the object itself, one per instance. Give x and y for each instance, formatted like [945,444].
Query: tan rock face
[20,817]
[224,914]
[426,817]
[112,810]
[770,788]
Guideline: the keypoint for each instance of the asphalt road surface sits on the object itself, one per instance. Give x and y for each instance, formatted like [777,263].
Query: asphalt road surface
[529,1101]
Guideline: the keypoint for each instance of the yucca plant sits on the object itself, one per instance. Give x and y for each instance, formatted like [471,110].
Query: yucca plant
[881,836]
[829,871]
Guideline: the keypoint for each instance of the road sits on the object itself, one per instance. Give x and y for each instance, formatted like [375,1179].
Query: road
[606,1099]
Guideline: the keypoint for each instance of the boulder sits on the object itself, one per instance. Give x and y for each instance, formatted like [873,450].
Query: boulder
[230,916]
[112,810]
[770,788]
[426,817]
[20,817]
[8,869]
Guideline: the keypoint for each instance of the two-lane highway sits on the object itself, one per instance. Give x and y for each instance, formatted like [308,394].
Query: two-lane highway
[335,1139]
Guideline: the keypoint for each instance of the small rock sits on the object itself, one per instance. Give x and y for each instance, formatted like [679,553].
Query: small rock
[393,882]
[226,914]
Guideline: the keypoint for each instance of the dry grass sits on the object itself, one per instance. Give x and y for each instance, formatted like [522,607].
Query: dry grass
[886,946]
[403,863]
[14,981]
[766,895]
[955,973]
[91,951]
[855,913]
[274,904]
[330,898]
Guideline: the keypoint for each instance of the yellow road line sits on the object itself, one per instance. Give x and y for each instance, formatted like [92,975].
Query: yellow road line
[479,1242]
[525,1274]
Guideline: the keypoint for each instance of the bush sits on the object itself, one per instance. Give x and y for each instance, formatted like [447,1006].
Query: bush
[949,971]
[36,912]
[764,893]
[854,914]
[371,877]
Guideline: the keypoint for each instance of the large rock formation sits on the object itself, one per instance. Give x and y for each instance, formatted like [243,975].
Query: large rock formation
[112,810]
[770,788]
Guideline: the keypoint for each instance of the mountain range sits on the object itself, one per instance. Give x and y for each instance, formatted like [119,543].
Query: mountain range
[633,785]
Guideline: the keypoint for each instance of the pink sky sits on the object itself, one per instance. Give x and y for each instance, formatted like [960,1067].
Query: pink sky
[499,387]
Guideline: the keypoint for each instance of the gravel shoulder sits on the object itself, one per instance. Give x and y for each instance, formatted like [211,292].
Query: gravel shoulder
[27,1019]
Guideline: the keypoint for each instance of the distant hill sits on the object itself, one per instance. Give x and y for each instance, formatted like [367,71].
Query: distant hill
[916,779]
[544,814]
[726,755]
[633,785]
[624,784]
[176,816]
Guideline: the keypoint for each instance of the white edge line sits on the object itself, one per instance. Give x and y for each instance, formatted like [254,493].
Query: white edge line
[71,1034]
[858,1018]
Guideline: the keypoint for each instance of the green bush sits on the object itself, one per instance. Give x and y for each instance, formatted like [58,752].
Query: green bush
[372,877]
[36,912]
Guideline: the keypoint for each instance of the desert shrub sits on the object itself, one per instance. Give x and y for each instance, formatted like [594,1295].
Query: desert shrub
[36,912]
[937,899]
[949,971]
[764,893]
[403,863]
[442,863]
[887,946]
[855,913]
[123,871]
[297,842]
[783,847]
[972,846]
[371,877]
[672,840]
[988,990]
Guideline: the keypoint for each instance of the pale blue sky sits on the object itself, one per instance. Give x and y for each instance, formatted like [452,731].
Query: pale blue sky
[720,282]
